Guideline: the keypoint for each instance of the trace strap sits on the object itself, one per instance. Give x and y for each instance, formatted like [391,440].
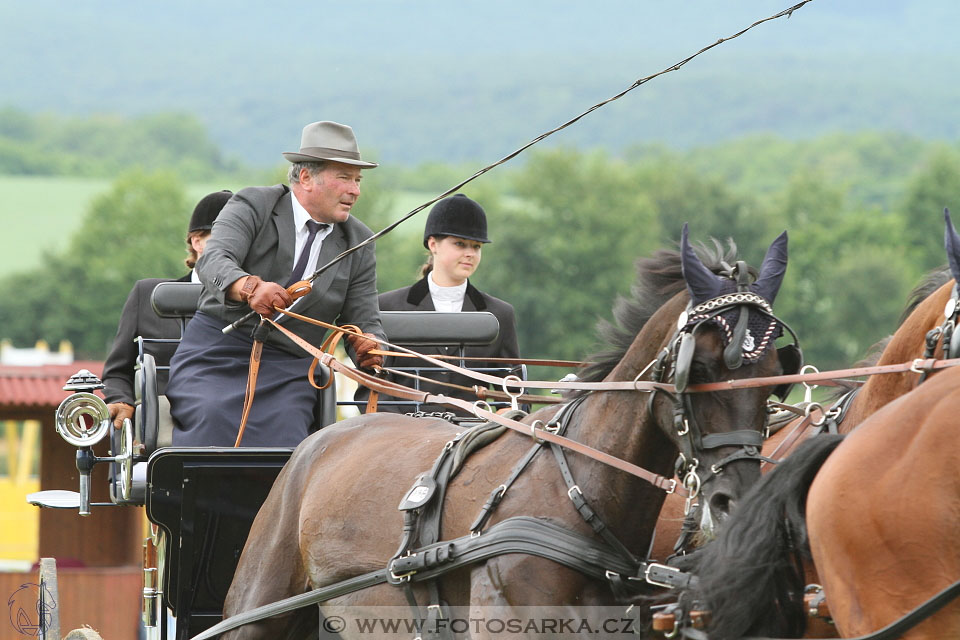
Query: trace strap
[520,534]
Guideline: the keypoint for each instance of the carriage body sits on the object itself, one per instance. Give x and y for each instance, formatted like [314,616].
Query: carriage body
[201,501]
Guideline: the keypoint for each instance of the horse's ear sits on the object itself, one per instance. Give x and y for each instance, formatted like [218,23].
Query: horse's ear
[951,241]
[772,270]
[702,283]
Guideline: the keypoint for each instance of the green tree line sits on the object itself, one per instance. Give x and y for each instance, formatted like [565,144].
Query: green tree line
[864,216]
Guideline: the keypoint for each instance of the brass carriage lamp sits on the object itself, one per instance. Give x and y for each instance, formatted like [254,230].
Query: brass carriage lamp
[83,420]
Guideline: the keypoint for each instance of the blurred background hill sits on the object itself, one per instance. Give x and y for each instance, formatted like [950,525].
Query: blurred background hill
[837,124]
[420,81]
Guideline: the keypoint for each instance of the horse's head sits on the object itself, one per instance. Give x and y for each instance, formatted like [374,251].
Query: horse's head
[727,331]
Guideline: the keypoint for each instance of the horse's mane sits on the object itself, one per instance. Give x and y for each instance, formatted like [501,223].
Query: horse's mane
[659,278]
[930,283]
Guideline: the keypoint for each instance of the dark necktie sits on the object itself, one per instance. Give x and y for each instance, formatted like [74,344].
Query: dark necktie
[312,229]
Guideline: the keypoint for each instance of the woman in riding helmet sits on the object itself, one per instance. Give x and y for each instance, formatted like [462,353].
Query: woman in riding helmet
[455,233]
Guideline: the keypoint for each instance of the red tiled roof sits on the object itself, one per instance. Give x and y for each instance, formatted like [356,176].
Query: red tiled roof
[39,386]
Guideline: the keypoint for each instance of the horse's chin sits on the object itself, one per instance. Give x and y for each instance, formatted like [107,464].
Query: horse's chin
[708,526]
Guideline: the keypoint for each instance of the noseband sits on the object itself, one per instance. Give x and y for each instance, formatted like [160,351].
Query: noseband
[674,363]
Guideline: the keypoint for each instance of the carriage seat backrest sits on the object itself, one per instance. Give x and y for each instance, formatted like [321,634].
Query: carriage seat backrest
[179,300]
[176,299]
[440,328]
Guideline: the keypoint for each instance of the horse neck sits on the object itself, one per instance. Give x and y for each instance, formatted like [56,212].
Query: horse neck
[619,423]
[907,344]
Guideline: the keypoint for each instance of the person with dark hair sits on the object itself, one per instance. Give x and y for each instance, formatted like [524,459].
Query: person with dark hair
[454,234]
[139,319]
[266,239]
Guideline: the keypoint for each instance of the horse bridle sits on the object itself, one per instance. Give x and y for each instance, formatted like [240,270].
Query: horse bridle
[944,335]
[674,363]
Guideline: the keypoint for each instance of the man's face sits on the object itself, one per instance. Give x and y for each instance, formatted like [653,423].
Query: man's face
[330,196]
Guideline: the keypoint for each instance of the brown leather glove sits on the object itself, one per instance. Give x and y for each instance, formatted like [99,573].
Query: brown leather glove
[118,411]
[362,345]
[263,296]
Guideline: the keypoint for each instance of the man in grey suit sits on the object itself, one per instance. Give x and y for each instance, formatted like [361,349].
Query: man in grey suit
[265,239]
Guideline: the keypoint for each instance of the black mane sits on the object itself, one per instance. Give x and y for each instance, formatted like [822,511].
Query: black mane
[659,278]
[930,283]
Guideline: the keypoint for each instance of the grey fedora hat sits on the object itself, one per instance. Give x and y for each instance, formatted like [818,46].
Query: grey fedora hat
[328,141]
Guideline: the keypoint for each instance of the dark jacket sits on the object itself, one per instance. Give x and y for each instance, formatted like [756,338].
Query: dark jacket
[139,319]
[417,298]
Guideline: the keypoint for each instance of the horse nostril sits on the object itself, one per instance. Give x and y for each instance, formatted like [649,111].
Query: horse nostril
[721,504]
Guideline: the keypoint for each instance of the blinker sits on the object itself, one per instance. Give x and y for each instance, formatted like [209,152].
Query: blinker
[791,361]
[683,361]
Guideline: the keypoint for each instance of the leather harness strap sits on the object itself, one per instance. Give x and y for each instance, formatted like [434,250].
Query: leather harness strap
[520,534]
[826,377]
[255,353]
[666,484]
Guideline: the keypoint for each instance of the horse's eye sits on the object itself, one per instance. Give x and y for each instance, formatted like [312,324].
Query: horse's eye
[699,372]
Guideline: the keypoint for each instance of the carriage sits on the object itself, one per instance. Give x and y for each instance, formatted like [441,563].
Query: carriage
[201,501]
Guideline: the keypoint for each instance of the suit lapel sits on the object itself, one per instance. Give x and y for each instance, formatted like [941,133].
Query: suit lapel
[286,235]
[473,299]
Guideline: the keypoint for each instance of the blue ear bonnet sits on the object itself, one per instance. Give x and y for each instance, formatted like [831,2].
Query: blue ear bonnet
[720,299]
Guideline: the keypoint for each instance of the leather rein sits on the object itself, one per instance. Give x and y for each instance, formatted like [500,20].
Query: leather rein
[513,387]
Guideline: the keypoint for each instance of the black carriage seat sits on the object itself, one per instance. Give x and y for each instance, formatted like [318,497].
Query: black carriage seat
[455,330]
[153,425]
[176,300]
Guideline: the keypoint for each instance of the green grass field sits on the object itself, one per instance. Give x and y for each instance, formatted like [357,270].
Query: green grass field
[39,214]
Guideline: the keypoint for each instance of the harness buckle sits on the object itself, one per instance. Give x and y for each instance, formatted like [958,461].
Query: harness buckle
[576,488]
[406,575]
[513,397]
[481,405]
[673,486]
[808,388]
[915,366]
[686,428]
[809,409]
[403,577]
[661,575]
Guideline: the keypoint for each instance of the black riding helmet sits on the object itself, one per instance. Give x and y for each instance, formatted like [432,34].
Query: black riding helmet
[457,216]
[207,210]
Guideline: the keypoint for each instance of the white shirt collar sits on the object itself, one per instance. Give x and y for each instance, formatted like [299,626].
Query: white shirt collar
[446,298]
[300,218]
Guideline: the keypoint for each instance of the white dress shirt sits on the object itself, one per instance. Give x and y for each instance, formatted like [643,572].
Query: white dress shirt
[446,298]
[300,217]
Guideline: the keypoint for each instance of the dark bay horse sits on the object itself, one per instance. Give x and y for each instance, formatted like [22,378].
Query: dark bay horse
[860,503]
[331,514]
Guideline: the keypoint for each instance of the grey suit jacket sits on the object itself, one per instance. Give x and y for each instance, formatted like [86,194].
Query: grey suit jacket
[254,235]
[417,298]
[138,319]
